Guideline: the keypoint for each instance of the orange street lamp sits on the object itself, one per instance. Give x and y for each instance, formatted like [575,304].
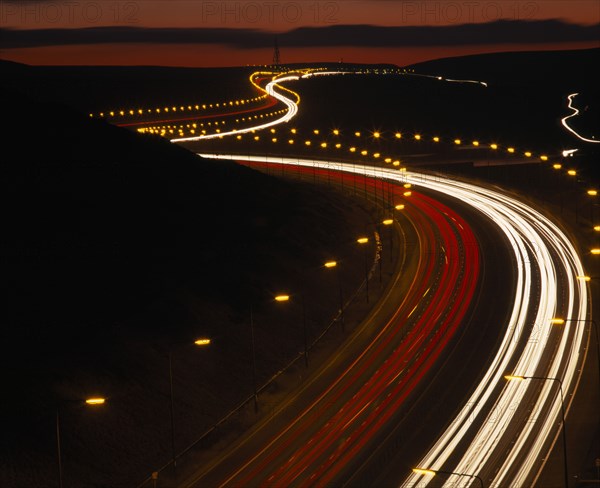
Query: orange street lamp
[433,472]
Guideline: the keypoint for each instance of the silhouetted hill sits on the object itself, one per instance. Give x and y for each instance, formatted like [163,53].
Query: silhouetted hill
[98,88]
[564,70]
[118,246]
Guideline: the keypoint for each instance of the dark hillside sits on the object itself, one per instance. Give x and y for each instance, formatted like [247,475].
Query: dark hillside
[118,247]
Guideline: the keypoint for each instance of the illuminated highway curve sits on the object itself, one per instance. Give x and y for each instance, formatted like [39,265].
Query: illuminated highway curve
[506,430]
[320,444]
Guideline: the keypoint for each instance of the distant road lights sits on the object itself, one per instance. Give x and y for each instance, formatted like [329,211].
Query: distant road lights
[388,160]
[357,134]
[316,132]
[307,143]
[458,142]
[595,251]
[324,145]
[494,146]
[388,222]
[274,139]
[330,264]
[396,163]
[282,298]
[476,143]
[362,240]
[293,131]
[352,149]
[376,135]
[399,207]
[557,166]
[592,193]
[376,155]
[364,152]
[336,132]
[407,193]
[597,228]
[572,172]
[527,154]
[417,137]
[584,278]
[407,185]
[543,157]
[557,321]
[398,135]
[436,139]
[291,141]
[338,145]
[511,150]
[203,341]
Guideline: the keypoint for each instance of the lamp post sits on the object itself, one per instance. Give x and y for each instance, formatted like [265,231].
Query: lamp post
[562,405]
[433,472]
[286,298]
[95,401]
[362,241]
[559,321]
[334,264]
[201,342]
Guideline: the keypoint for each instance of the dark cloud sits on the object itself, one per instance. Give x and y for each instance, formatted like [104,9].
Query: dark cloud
[498,32]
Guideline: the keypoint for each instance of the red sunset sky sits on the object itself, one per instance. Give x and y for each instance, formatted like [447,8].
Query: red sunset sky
[260,21]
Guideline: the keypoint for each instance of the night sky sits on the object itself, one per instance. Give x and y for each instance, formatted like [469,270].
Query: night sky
[233,33]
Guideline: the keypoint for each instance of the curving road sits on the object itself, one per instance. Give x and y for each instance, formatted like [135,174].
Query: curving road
[319,444]
[506,429]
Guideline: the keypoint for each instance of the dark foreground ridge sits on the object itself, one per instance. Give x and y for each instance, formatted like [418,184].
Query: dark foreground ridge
[118,248]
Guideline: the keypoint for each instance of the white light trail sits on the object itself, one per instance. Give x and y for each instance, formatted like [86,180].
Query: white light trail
[575,112]
[492,430]
[292,107]
[292,110]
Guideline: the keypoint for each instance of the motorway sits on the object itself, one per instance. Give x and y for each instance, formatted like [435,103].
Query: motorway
[356,397]
[505,430]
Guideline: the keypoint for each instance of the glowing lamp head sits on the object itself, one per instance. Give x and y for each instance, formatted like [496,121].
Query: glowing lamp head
[331,264]
[388,222]
[557,321]
[510,377]
[95,401]
[429,472]
[362,240]
[282,298]
[203,341]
